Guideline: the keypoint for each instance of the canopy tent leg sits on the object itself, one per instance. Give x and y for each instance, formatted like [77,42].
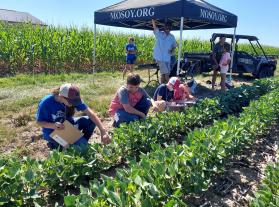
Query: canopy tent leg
[232,55]
[180,45]
[94,51]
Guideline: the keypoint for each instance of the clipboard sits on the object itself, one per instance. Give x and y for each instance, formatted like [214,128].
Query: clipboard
[69,135]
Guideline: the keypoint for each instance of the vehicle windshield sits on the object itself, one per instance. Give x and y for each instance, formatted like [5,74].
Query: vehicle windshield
[251,47]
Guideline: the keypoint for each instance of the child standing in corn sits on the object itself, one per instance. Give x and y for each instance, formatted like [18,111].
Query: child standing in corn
[131,51]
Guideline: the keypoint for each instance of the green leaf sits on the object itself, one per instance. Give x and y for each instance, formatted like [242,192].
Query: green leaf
[69,201]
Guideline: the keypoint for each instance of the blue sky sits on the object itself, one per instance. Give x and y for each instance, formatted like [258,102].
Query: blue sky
[255,17]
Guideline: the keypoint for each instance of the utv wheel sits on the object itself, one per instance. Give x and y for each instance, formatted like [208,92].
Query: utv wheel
[266,72]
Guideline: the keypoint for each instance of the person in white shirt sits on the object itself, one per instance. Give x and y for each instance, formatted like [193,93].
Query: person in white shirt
[164,47]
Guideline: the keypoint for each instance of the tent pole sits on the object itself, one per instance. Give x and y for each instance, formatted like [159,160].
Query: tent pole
[94,51]
[233,49]
[180,45]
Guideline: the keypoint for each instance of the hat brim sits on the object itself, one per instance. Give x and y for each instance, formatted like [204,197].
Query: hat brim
[75,102]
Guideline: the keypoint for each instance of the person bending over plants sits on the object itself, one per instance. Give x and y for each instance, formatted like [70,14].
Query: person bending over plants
[169,95]
[182,93]
[130,103]
[59,106]
[165,92]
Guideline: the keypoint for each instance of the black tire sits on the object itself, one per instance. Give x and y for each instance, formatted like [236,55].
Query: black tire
[196,70]
[265,72]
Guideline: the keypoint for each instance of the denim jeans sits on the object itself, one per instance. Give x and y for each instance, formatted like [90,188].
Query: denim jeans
[122,116]
[84,124]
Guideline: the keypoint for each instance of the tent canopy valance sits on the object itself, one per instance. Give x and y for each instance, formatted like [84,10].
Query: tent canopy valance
[137,14]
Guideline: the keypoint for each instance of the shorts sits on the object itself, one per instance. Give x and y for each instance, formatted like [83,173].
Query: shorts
[164,67]
[224,70]
[131,60]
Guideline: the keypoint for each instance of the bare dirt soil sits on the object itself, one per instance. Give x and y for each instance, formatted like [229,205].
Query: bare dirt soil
[242,176]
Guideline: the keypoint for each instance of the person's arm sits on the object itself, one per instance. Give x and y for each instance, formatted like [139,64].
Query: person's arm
[128,108]
[228,60]
[136,50]
[126,49]
[174,45]
[93,116]
[154,25]
[214,52]
[42,117]
[49,125]
[151,99]
[159,98]
[162,90]
[227,63]
[214,58]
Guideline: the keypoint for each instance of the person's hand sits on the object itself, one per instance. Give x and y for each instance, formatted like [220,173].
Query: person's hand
[59,126]
[155,109]
[215,66]
[142,115]
[105,137]
[171,51]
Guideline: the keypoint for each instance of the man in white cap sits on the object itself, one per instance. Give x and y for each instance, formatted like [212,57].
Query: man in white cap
[59,106]
[166,91]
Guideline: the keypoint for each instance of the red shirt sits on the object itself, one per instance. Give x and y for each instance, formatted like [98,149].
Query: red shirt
[123,96]
[182,93]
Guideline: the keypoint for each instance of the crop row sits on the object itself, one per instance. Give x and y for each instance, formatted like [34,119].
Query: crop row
[268,194]
[166,175]
[30,180]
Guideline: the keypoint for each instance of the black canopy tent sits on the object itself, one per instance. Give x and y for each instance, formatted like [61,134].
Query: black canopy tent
[184,14]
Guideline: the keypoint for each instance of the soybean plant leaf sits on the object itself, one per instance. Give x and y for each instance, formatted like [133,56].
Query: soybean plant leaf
[69,201]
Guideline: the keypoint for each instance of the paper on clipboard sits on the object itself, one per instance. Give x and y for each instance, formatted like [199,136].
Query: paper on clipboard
[69,135]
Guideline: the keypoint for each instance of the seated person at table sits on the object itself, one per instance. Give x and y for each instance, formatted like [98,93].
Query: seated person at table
[130,103]
[166,91]
[182,93]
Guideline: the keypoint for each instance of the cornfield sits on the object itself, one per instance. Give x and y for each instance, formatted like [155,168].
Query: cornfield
[25,48]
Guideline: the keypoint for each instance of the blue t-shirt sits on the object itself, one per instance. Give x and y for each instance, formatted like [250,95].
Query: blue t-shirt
[131,48]
[163,91]
[49,110]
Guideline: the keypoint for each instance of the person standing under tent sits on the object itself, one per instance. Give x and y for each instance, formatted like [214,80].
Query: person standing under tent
[216,57]
[164,47]
[224,65]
